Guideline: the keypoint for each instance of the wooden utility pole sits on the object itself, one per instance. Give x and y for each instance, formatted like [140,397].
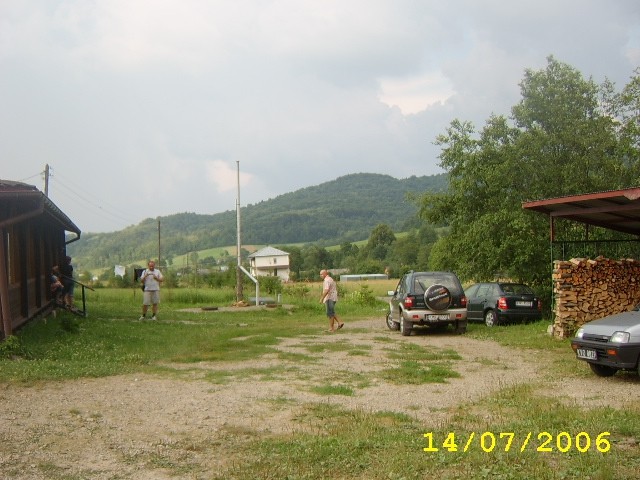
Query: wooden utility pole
[46,180]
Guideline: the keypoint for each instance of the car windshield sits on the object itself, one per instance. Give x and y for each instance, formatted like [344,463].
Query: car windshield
[516,289]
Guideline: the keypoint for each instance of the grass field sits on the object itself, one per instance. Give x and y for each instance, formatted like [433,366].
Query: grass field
[339,442]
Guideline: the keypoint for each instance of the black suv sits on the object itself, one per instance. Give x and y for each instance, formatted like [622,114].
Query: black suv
[432,299]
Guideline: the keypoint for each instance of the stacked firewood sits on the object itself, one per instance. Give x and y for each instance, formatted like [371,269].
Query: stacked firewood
[587,289]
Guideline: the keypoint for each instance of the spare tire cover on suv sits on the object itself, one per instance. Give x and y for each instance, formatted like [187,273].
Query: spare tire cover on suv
[437,297]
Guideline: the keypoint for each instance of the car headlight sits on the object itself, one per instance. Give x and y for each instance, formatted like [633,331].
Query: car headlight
[620,337]
[580,332]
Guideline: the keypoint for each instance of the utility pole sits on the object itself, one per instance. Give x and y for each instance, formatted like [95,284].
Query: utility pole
[46,180]
[239,293]
[159,264]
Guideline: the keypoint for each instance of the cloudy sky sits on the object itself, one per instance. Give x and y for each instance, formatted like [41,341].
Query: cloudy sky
[145,108]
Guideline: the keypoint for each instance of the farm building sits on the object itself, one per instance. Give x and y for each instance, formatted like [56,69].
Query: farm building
[33,238]
[269,261]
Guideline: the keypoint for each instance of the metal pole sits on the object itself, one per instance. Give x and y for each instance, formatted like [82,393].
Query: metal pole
[239,293]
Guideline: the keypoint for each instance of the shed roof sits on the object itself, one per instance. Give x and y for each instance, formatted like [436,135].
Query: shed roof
[33,202]
[617,210]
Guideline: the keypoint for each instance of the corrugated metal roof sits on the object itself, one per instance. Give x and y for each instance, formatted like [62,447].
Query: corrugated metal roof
[617,210]
[268,252]
[11,190]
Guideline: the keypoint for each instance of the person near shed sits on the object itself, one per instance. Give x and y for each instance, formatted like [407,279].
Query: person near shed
[329,298]
[66,277]
[57,288]
[151,279]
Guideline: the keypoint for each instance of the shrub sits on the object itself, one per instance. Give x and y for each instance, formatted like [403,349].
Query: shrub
[11,348]
[364,296]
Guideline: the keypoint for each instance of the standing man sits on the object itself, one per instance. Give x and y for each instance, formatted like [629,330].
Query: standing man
[151,278]
[329,298]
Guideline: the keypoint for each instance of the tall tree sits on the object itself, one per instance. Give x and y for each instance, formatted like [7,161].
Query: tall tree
[561,141]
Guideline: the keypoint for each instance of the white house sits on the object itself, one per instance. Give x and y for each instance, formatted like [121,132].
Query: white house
[269,261]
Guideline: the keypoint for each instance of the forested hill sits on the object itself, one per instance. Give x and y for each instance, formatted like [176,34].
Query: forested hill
[345,209]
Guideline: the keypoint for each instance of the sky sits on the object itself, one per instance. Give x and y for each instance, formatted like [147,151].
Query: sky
[148,108]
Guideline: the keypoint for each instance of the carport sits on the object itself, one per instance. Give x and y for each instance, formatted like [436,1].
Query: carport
[586,289]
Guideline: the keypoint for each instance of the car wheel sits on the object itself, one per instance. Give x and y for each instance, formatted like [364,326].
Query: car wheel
[490,318]
[391,325]
[405,327]
[602,370]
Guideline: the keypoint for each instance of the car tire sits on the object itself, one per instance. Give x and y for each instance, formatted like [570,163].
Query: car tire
[437,297]
[490,318]
[603,370]
[405,327]
[391,324]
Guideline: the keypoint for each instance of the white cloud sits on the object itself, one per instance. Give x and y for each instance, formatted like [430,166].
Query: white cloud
[415,94]
[165,96]
[225,176]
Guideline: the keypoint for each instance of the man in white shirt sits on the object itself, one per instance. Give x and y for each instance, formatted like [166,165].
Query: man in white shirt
[151,278]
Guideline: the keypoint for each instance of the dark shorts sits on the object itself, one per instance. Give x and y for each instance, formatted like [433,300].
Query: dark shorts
[331,308]
[68,287]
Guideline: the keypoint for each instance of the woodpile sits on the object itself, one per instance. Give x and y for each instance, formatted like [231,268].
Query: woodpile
[586,289]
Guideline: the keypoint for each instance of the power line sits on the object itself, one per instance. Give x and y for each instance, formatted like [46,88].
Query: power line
[96,208]
[39,174]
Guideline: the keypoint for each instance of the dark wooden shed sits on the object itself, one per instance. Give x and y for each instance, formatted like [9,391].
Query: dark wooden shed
[34,234]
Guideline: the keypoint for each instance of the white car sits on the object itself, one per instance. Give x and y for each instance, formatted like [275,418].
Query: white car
[611,343]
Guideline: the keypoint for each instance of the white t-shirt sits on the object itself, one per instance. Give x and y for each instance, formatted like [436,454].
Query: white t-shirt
[152,280]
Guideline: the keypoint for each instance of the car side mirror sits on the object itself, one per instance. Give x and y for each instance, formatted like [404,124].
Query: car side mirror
[391,293]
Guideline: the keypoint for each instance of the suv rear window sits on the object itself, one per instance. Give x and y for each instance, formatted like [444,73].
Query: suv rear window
[422,282]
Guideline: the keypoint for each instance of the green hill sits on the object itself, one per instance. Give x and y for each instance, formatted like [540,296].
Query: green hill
[345,209]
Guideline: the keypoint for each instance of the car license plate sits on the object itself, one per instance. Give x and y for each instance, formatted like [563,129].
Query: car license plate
[587,354]
[520,303]
[434,318]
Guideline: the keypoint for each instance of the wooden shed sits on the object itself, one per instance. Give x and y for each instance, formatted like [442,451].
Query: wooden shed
[34,234]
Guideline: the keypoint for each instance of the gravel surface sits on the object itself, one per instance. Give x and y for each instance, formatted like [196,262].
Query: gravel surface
[125,426]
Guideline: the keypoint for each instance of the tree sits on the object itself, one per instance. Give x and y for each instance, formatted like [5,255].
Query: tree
[379,242]
[561,141]
[381,235]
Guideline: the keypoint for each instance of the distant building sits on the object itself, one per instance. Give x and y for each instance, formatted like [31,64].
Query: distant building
[33,238]
[271,262]
[364,276]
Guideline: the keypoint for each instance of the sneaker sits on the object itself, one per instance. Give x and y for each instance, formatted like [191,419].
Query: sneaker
[142,317]
[153,318]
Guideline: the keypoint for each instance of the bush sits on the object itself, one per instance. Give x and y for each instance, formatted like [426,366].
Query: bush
[270,285]
[297,290]
[11,348]
[364,296]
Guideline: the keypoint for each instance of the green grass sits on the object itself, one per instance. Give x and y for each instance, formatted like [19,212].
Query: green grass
[332,441]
